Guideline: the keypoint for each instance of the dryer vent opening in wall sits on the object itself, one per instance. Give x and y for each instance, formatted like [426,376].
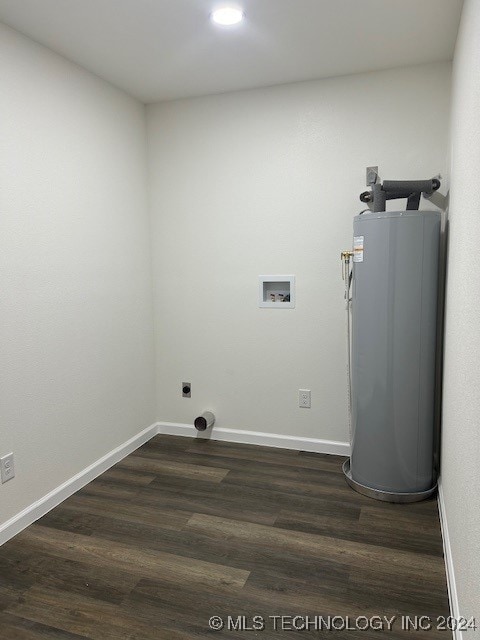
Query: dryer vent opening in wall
[205,421]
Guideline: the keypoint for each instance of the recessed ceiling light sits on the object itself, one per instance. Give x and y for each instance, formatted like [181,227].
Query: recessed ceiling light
[227,16]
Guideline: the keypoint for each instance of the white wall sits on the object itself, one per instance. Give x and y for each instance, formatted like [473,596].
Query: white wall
[76,367]
[461,401]
[267,182]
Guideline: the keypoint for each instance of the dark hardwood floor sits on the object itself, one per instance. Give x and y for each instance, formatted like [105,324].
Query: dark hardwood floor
[184,529]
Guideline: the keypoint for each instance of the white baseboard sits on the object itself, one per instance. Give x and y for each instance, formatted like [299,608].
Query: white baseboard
[447,552]
[257,437]
[59,494]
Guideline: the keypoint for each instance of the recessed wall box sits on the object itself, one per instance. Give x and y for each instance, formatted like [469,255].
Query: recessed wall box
[276,292]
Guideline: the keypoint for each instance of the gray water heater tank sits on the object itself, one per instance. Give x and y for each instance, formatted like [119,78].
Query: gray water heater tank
[394,317]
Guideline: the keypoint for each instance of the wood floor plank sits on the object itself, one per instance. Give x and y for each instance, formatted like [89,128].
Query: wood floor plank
[245,497]
[232,553]
[16,570]
[127,511]
[311,545]
[324,484]
[151,600]
[65,520]
[109,490]
[128,477]
[146,562]
[168,443]
[244,452]
[381,531]
[7,598]
[240,459]
[207,497]
[22,569]
[422,596]
[426,520]
[184,470]
[18,628]
[87,617]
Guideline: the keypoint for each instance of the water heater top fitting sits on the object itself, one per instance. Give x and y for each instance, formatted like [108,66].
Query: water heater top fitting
[394,189]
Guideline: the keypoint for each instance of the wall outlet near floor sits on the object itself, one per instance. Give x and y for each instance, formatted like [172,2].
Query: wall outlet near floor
[304,398]
[7,467]
[186,390]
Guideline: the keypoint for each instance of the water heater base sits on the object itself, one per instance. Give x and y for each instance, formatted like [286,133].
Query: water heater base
[385,496]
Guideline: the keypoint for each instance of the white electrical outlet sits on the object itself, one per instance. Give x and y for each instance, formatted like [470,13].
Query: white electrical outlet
[304,398]
[7,468]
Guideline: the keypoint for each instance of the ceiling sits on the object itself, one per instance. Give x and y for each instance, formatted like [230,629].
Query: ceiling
[165,49]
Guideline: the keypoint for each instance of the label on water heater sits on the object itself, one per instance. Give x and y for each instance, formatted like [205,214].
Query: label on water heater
[358,248]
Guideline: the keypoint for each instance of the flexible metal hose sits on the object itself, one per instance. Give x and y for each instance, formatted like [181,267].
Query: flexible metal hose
[347,277]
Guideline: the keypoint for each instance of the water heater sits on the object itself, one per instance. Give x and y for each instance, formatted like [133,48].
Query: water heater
[394,282]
